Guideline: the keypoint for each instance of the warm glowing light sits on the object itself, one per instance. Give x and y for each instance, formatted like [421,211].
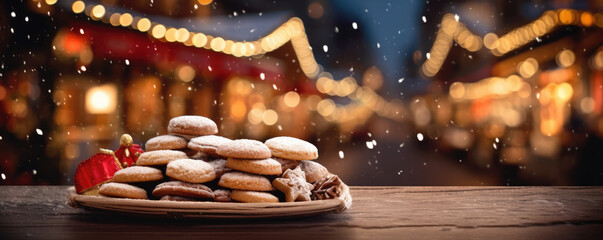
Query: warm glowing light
[565,58]
[291,99]
[143,25]
[182,35]
[566,16]
[457,90]
[51,2]
[199,40]
[564,92]
[185,73]
[325,107]
[158,31]
[98,11]
[78,6]
[270,117]
[205,2]
[218,44]
[255,116]
[238,110]
[101,99]
[171,34]
[587,19]
[491,41]
[114,19]
[528,67]
[125,20]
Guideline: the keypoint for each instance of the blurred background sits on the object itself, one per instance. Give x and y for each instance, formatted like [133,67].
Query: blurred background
[391,92]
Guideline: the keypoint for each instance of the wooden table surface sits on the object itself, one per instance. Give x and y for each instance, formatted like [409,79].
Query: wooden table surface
[40,212]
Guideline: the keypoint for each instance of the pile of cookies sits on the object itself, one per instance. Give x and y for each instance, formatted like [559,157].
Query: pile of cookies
[194,164]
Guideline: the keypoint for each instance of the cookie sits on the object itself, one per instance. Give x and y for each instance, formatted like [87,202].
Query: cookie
[253,197]
[159,157]
[222,195]
[314,171]
[293,184]
[244,149]
[189,170]
[122,190]
[286,163]
[177,198]
[292,148]
[183,189]
[327,188]
[266,166]
[137,174]
[166,142]
[219,166]
[208,144]
[245,181]
[192,125]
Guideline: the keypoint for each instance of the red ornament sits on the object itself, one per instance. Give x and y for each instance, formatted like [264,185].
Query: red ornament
[128,153]
[93,172]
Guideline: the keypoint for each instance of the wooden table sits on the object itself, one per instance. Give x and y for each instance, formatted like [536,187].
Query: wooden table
[39,212]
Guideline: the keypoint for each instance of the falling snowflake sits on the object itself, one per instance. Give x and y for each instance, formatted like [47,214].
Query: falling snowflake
[3,176]
[262,76]
[400,80]
[354,25]
[420,137]
[209,67]
[378,45]
[81,31]
[369,145]
[39,131]
[428,55]
[341,154]
[456,17]
[494,145]
[325,48]
[127,62]
[424,19]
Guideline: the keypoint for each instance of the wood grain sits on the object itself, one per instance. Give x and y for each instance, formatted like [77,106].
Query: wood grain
[377,213]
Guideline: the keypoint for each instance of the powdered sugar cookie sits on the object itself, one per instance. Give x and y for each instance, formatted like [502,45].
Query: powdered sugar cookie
[253,197]
[292,148]
[166,142]
[245,181]
[244,149]
[192,125]
[314,171]
[208,144]
[159,157]
[183,189]
[189,170]
[137,174]
[122,190]
[266,166]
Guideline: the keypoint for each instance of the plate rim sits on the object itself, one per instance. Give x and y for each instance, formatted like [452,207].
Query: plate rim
[206,209]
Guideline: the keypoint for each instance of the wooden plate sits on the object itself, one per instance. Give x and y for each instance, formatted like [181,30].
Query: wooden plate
[212,209]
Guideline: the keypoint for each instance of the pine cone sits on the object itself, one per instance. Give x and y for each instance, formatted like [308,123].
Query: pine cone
[327,188]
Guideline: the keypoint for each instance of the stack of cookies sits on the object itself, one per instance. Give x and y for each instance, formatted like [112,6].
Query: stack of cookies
[193,164]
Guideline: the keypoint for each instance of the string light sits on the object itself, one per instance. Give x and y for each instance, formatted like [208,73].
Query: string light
[291,31]
[453,31]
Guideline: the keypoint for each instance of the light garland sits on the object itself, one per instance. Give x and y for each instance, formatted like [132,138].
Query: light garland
[291,31]
[452,30]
